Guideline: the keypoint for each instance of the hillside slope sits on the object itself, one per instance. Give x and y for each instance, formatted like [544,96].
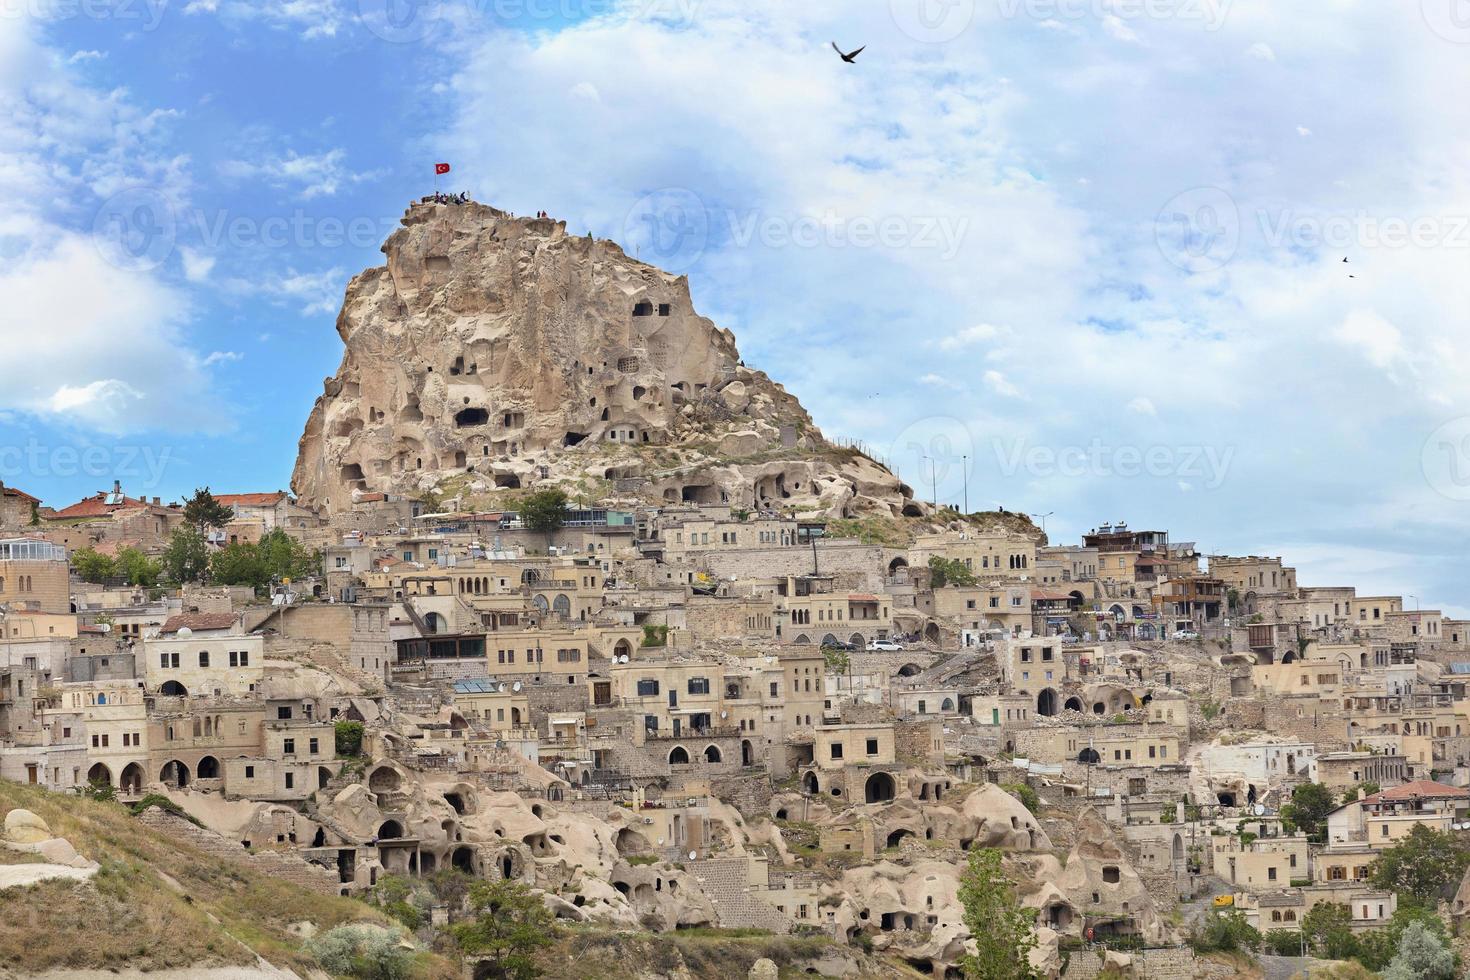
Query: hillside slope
[156,903]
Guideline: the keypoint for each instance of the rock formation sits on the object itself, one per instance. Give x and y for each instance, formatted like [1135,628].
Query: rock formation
[496,352]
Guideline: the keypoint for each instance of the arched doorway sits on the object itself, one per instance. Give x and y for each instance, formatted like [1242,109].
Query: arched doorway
[463,858]
[208,768]
[174,775]
[622,649]
[895,838]
[434,623]
[909,670]
[99,775]
[880,788]
[747,753]
[712,753]
[132,779]
[1089,756]
[1073,704]
[173,689]
[1046,702]
[390,830]
[809,783]
[678,756]
[931,633]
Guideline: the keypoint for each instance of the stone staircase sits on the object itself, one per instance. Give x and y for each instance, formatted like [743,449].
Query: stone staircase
[727,883]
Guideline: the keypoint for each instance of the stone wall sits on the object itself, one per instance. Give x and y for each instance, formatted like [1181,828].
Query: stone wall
[275,864]
[855,565]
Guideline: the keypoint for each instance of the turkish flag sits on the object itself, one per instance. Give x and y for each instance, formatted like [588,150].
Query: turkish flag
[441,168]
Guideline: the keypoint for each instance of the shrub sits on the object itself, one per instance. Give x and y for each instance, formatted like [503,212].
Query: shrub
[367,952]
[348,738]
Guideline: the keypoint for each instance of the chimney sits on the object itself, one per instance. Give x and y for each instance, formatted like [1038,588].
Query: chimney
[156,501]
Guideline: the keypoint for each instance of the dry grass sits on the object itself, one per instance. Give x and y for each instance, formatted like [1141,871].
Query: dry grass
[156,903]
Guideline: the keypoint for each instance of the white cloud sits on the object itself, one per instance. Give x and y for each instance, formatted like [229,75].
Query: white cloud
[1375,338]
[997,383]
[312,19]
[80,56]
[1303,131]
[112,356]
[197,265]
[1142,406]
[1118,30]
[103,346]
[311,174]
[939,381]
[223,357]
[969,336]
[1260,51]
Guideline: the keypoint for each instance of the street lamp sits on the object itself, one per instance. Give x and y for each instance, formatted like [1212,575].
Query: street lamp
[1043,519]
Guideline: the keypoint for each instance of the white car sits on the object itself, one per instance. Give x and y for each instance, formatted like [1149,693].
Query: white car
[1186,635]
[883,646]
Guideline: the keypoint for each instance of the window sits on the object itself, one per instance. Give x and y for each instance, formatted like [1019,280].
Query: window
[290,780]
[315,746]
[204,658]
[774,690]
[1270,874]
[244,659]
[647,688]
[283,712]
[249,772]
[836,750]
[872,746]
[288,746]
[699,685]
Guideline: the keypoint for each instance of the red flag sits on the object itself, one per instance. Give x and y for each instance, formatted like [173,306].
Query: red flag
[441,168]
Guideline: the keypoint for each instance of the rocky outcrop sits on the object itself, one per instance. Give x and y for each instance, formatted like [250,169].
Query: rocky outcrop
[494,352]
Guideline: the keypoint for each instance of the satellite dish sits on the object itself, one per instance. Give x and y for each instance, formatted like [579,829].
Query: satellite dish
[1259,809]
[184,632]
[724,714]
[693,855]
[516,686]
[660,842]
[105,627]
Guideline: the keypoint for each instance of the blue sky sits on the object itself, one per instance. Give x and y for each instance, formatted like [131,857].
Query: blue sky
[1092,247]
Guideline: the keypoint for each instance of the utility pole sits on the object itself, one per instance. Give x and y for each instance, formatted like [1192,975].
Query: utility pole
[965,472]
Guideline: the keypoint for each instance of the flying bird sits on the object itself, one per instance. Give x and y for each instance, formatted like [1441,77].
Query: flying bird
[849,58]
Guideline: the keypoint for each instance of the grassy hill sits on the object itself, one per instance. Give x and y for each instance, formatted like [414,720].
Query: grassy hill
[157,903]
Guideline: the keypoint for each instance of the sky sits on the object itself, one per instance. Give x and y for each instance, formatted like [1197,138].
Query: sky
[1077,258]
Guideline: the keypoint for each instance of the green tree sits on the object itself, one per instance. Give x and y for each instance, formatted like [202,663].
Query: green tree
[348,738]
[1422,955]
[1424,866]
[186,559]
[1025,794]
[238,564]
[1329,931]
[1308,809]
[286,558]
[138,568]
[203,511]
[948,571]
[1000,926]
[509,926]
[93,566]
[1378,947]
[838,662]
[1225,932]
[544,512]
